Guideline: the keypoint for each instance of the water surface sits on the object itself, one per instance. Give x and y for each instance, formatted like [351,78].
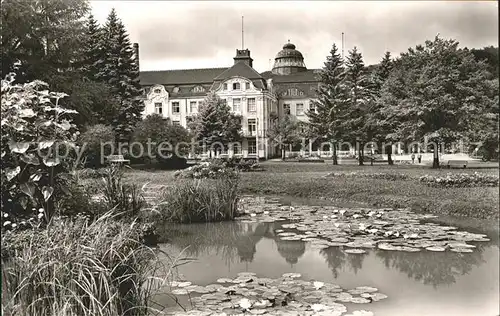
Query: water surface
[421,283]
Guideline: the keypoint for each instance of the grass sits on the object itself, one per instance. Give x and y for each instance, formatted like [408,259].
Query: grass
[79,267]
[203,200]
[307,180]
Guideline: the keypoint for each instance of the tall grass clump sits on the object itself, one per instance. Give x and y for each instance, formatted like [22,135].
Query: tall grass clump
[200,200]
[79,267]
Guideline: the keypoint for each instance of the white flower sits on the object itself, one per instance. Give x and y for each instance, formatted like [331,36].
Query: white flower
[5,215]
[245,303]
[14,225]
[40,215]
[41,210]
[318,285]
[7,223]
[318,307]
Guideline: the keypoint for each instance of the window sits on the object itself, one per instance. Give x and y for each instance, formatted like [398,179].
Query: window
[158,108]
[236,86]
[224,87]
[157,90]
[252,146]
[251,105]
[236,104]
[176,122]
[247,85]
[312,107]
[299,109]
[252,127]
[175,107]
[236,149]
[193,107]
[286,109]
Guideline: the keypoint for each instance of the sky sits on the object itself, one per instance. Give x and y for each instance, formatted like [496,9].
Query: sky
[205,34]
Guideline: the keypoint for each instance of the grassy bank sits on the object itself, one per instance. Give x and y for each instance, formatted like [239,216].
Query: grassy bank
[78,267]
[307,180]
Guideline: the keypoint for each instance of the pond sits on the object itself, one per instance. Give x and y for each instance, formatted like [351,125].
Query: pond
[416,283]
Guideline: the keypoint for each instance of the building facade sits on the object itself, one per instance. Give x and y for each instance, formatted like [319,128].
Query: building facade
[259,98]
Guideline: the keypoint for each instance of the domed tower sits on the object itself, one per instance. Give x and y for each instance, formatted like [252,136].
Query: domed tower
[288,61]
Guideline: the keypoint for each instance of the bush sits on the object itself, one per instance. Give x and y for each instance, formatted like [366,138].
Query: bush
[461,180]
[380,175]
[78,267]
[200,200]
[211,169]
[92,139]
[36,139]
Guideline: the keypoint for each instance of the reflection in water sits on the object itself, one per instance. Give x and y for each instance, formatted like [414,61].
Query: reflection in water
[433,268]
[235,240]
[231,240]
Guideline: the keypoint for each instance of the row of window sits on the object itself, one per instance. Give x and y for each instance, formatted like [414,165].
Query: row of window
[252,148]
[193,106]
[236,86]
[299,108]
[251,106]
[176,108]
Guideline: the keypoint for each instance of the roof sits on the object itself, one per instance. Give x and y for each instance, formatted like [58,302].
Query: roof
[310,75]
[181,76]
[239,69]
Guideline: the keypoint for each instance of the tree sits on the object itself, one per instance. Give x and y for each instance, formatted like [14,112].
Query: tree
[41,39]
[285,132]
[91,55]
[93,140]
[215,123]
[330,97]
[438,92]
[376,124]
[360,98]
[119,69]
[161,139]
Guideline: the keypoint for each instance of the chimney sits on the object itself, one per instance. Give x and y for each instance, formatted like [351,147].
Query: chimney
[243,55]
[136,53]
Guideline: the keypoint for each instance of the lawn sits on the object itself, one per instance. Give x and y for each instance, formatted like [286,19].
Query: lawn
[307,180]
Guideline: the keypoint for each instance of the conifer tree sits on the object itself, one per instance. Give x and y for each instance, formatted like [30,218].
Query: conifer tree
[91,49]
[119,69]
[215,123]
[352,119]
[330,97]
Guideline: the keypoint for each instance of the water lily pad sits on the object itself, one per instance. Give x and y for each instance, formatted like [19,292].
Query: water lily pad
[436,248]
[354,251]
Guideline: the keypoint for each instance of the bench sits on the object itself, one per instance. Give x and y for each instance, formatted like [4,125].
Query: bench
[457,163]
[117,159]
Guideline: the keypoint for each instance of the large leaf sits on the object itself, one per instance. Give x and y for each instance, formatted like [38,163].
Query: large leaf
[30,159]
[18,147]
[26,113]
[45,144]
[50,162]
[28,188]
[47,192]
[10,173]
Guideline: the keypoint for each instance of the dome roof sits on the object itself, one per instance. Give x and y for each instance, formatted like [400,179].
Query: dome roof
[288,61]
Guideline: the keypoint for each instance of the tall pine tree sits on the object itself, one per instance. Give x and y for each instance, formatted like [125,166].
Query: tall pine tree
[330,97]
[91,49]
[352,119]
[119,69]
[215,123]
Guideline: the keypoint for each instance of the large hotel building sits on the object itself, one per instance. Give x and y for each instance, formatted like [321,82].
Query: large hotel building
[258,97]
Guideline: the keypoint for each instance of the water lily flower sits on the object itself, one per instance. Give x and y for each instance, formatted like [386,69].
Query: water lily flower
[266,212]
[371,213]
[253,214]
[342,212]
[318,307]
[245,303]
[318,285]
[362,226]
[388,233]
[14,225]
[336,225]
[356,216]
[325,216]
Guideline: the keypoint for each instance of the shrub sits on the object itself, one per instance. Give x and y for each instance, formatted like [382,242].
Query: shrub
[92,139]
[211,169]
[461,180]
[35,131]
[200,200]
[380,175]
[78,267]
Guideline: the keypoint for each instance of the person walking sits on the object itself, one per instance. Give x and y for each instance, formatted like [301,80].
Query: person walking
[412,158]
[419,157]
